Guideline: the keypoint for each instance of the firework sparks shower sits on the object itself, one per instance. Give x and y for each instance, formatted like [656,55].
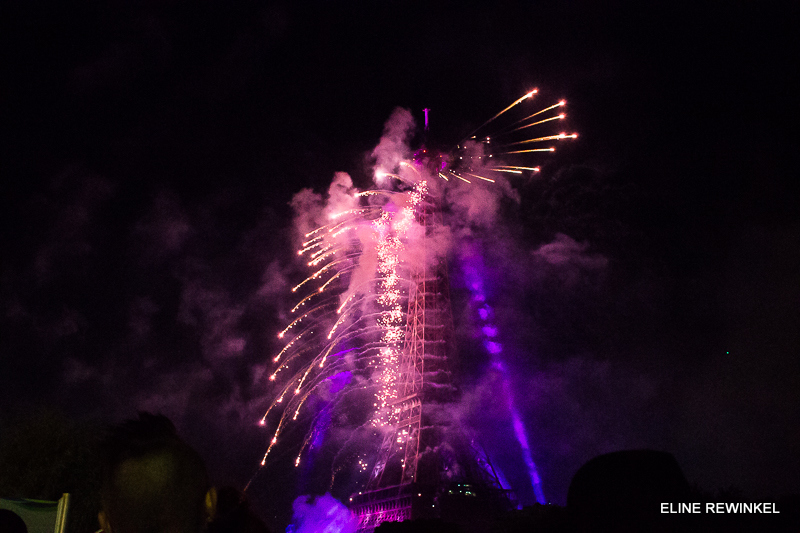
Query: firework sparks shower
[341,363]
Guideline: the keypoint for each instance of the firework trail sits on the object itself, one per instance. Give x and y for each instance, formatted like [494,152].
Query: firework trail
[340,360]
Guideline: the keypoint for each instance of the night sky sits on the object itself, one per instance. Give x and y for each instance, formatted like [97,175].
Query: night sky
[646,282]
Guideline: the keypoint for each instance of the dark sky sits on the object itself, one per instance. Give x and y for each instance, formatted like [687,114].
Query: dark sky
[152,149]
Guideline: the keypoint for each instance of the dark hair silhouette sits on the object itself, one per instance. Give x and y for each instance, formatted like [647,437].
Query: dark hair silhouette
[153,482]
[11,522]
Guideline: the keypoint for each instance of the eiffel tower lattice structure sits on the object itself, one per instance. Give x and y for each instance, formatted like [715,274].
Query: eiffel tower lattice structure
[424,458]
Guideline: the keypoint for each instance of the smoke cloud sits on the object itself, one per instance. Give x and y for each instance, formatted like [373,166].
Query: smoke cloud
[393,146]
[321,514]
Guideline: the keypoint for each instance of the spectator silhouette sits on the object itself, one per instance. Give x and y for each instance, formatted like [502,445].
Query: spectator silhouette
[11,522]
[153,482]
[622,492]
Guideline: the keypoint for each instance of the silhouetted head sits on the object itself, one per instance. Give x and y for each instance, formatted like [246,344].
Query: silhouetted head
[153,482]
[11,522]
[622,492]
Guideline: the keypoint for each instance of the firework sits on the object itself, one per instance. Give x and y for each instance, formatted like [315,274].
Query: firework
[344,344]
[342,326]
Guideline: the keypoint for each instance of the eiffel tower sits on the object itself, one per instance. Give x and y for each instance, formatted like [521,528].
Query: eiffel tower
[425,465]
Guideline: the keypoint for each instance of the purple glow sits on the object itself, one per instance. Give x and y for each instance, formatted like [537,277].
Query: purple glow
[472,267]
[321,514]
[493,347]
[522,438]
[339,381]
[316,443]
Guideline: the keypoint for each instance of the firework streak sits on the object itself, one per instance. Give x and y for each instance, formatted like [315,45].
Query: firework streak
[342,358]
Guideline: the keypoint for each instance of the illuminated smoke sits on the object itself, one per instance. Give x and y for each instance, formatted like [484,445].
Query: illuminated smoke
[361,249]
[473,272]
[393,146]
[322,514]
